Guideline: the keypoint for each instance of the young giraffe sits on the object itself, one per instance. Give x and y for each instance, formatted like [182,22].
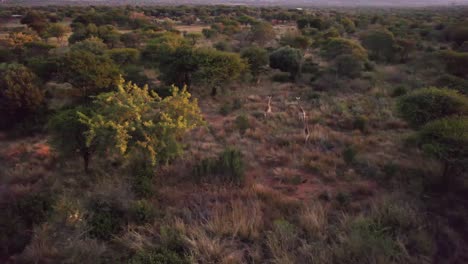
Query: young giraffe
[268,109]
[302,113]
[303,117]
[306,131]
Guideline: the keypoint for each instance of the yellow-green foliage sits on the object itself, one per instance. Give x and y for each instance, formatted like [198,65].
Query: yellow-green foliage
[133,119]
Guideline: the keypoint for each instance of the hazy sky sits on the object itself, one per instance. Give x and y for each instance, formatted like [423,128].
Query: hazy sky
[263,2]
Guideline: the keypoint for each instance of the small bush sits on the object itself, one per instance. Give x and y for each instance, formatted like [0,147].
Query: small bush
[360,123]
[281,78]
[343,198]
[225,109]
[399,91]
[349,154]
[105,220]
[142,182]
[142,212]
[237,104]
[242,123]
[228,167]
[390,169]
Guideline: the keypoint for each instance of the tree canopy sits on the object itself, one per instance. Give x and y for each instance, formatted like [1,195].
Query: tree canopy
[133,120]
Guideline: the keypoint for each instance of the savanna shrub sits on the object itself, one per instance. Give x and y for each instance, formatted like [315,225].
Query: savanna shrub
[361,123]
[228,167]
[399,91]
[105,220]
[425,105]
[142,211]
[349,154]
[281,78]
[242,123]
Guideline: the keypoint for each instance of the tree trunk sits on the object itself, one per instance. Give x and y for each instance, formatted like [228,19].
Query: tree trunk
[447,178]
[214,91]
[86,160]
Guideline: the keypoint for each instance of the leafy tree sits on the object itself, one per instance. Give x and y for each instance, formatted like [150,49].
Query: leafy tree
[124,56]
[217,68]
[335,47]
[179,66]
[109,35]
[35,20]
[310,22]
[349,65]
[262,33]
[88,73]
[68,134]
[296,41]
[162,47]
[132,120]
[287,59]
[58,31]
[457,33]
[131,39]
[194,37]
[348,24]
[19,39]
[455,62]
[447,140]
[404,48]
[93,45]
[425,105]
[20,94]
[380,43]
[209,33]
[257,58]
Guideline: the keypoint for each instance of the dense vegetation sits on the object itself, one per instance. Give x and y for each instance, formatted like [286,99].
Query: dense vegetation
[233,134]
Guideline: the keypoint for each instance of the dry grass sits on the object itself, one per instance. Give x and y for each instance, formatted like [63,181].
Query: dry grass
[314,220]
[191,28]
[206,248]
[243,219]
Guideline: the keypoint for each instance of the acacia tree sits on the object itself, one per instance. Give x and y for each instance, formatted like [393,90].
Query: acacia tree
[447,140]
[257,58]
[262,33]
[287,59]
[88,73]
[58,31]
[179,66]
[135,121]
[381,44]
[35,20]
[425,105]
[20,94]
[68,134]
[217,68]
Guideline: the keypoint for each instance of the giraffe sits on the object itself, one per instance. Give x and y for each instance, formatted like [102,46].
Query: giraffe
[268,108]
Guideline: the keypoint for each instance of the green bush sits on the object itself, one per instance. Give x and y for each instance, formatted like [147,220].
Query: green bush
[142,182]
[228,167]
[143,211]
[361,123]
[242,123]
[453,82]
[106,219]
[281,78]
[19,216]
[447,140]
[399,91]
[349,154]
[425,105]
[287,59]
